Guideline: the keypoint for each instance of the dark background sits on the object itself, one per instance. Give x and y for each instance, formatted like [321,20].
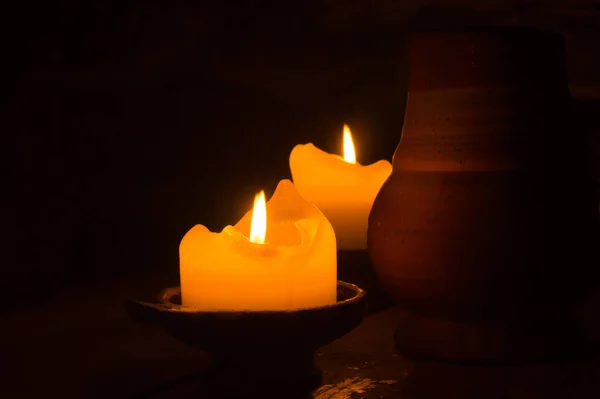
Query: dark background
[127,122]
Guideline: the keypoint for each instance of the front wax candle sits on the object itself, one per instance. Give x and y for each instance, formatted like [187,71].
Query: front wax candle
[340,187]
[294,268]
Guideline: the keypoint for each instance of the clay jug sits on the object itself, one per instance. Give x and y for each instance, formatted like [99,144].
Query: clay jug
[486,228]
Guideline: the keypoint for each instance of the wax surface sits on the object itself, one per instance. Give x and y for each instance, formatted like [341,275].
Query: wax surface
[343,191]
[295,268]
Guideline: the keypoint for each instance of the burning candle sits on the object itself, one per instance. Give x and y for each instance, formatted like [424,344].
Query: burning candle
[280,255]
[340,187]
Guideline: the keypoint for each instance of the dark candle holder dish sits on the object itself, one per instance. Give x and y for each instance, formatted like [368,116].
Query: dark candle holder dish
[257,349]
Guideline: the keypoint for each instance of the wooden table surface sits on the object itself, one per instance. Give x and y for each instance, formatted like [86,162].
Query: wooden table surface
[83,345]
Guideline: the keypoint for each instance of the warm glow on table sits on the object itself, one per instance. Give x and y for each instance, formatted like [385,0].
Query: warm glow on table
[340,187]
[281,255]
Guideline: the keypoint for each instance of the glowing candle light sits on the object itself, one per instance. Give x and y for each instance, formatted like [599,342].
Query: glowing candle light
[340,187]
[280,255]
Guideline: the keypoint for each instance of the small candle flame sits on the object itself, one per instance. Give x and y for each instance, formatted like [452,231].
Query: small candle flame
[258,226]
[349,153]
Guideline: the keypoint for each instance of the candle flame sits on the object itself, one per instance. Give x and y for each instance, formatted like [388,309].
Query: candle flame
[349,153]
[258,226]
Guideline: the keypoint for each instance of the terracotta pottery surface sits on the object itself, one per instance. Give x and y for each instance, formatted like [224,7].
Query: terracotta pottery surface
[489,217]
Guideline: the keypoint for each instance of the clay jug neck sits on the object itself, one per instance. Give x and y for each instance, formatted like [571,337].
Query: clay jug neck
[486,57]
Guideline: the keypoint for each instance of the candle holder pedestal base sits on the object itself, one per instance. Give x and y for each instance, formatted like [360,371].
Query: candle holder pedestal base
[256,350]
[354,266]
[257,370]
[423,338]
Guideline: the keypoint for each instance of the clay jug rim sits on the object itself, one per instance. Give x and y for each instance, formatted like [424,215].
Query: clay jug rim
[496,30]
